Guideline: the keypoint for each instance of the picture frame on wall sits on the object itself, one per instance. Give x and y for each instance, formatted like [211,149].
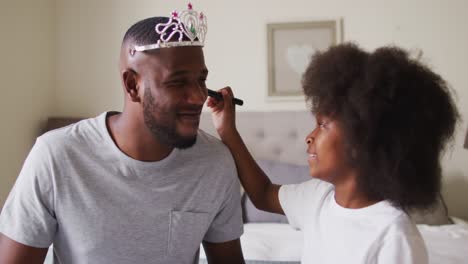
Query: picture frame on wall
[290,48]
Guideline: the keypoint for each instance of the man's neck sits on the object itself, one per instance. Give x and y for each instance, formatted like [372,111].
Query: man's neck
[132,138]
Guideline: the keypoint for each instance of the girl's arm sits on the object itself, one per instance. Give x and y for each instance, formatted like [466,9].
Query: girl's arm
[262,192]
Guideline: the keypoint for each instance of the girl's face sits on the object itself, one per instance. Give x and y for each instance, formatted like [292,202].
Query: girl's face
[326,151]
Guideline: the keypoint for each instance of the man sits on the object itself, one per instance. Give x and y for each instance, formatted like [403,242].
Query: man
[141,186]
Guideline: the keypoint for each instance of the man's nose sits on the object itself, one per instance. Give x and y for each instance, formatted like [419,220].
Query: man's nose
[198,95]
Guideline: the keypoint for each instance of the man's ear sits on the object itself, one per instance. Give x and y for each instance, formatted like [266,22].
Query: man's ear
[130,82]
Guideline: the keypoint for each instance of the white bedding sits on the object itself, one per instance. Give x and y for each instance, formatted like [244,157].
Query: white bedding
[446,244]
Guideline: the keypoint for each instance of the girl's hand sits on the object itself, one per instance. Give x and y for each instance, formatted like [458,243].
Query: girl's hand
[224,114]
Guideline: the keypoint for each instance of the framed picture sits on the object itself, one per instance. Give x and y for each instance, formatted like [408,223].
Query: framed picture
[290,48]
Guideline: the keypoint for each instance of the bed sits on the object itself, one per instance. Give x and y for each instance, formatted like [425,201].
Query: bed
[275,243]
[277,141]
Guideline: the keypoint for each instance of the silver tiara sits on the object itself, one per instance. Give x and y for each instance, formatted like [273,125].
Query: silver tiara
[188,23]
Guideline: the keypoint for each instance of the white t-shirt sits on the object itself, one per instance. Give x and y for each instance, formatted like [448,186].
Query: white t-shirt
[376,234]
[78,191]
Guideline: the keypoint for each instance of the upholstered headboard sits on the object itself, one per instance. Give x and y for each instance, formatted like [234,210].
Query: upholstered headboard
[278,136]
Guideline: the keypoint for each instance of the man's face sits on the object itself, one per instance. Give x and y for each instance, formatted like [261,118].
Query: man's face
[174,92]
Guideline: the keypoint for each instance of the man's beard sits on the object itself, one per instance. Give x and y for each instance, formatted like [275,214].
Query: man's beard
[164,128]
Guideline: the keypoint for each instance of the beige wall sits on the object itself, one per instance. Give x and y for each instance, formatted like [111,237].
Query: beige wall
[27,29]
[88,40]
[90,32]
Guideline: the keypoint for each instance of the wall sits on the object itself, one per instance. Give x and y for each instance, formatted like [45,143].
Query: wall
[87,43]
[90,32]
[27,80]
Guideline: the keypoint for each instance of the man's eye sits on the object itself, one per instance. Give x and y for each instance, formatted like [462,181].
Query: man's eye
[177,83]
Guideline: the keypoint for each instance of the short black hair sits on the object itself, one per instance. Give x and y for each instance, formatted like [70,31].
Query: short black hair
[397,116]
[143,32]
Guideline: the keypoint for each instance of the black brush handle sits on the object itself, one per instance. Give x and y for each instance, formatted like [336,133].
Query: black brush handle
[219,96]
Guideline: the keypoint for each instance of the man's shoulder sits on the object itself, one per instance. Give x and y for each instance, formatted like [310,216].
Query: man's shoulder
[212,151]
[208,138]
[212,145]
[69,136]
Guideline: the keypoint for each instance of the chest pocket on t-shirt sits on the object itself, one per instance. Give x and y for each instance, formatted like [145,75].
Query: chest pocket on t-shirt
[186,232]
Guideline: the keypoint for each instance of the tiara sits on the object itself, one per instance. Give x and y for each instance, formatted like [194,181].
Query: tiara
[188,23]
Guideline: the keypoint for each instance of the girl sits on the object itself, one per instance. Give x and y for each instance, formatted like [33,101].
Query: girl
[383,120]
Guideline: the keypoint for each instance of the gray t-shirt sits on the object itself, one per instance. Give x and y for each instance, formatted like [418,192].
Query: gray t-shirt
[78,191]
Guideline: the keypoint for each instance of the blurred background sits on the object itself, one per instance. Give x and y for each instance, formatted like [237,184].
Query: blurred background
[59,58]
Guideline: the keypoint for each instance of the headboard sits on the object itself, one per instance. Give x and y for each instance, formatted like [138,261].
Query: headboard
[278,136]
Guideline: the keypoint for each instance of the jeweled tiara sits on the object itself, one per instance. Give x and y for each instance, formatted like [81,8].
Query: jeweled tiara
[188,23]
